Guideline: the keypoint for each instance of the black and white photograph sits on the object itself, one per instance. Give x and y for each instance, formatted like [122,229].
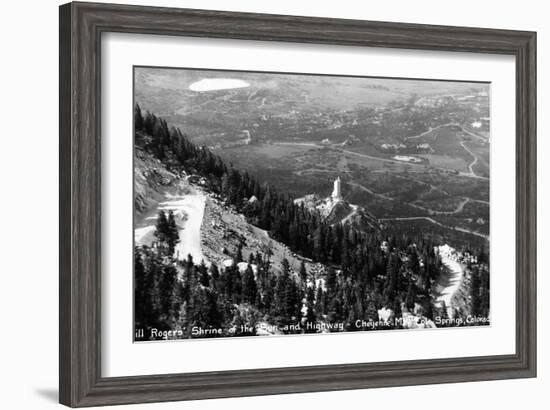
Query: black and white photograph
[282,204]
[275,205]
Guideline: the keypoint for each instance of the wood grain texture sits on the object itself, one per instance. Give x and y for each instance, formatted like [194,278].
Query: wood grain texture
[81,25]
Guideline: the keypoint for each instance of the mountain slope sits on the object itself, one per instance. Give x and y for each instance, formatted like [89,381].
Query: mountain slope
[208,228]
[341,211]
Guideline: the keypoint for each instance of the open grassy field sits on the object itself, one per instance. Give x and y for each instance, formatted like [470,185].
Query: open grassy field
[447,162]
[276,150]
[445,141]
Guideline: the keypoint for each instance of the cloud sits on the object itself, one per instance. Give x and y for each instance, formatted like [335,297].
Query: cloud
[211,84]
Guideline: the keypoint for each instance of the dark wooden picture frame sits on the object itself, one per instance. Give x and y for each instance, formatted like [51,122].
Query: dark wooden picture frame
[81,27]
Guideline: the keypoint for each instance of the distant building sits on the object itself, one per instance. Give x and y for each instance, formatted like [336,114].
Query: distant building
[248,137]
[393,147]
[337,191]
[407,158]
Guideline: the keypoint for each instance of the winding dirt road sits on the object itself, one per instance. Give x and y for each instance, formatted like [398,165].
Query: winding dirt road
[471,165]
[452,281]
[188,213]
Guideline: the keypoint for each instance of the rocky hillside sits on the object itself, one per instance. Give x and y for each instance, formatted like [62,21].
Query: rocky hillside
[341,211]
[151,182]
[208,229]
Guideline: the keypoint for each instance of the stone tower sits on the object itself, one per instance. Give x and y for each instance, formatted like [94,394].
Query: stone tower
[336,192]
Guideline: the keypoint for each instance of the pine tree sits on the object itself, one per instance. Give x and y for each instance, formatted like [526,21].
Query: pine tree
[250,289]
[214,272]
[391,284]
[161,228]
[172,235]
[285,267]
[310,319]
[168,298]
[484,292]
[142,301]
[153,292]
[239,256]
[269,296]
[414,262]
[310,295]
[225,185]
[334,314]
[475,284]
[214,313]
[293,300]
[411,296]
[303,272]
[149,123]
[138,118]
[320,306]
[371,311]
[237,285]
[331,281]
[204,278]
[283,295]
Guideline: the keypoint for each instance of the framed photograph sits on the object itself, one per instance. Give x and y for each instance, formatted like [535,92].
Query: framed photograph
[260,204]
